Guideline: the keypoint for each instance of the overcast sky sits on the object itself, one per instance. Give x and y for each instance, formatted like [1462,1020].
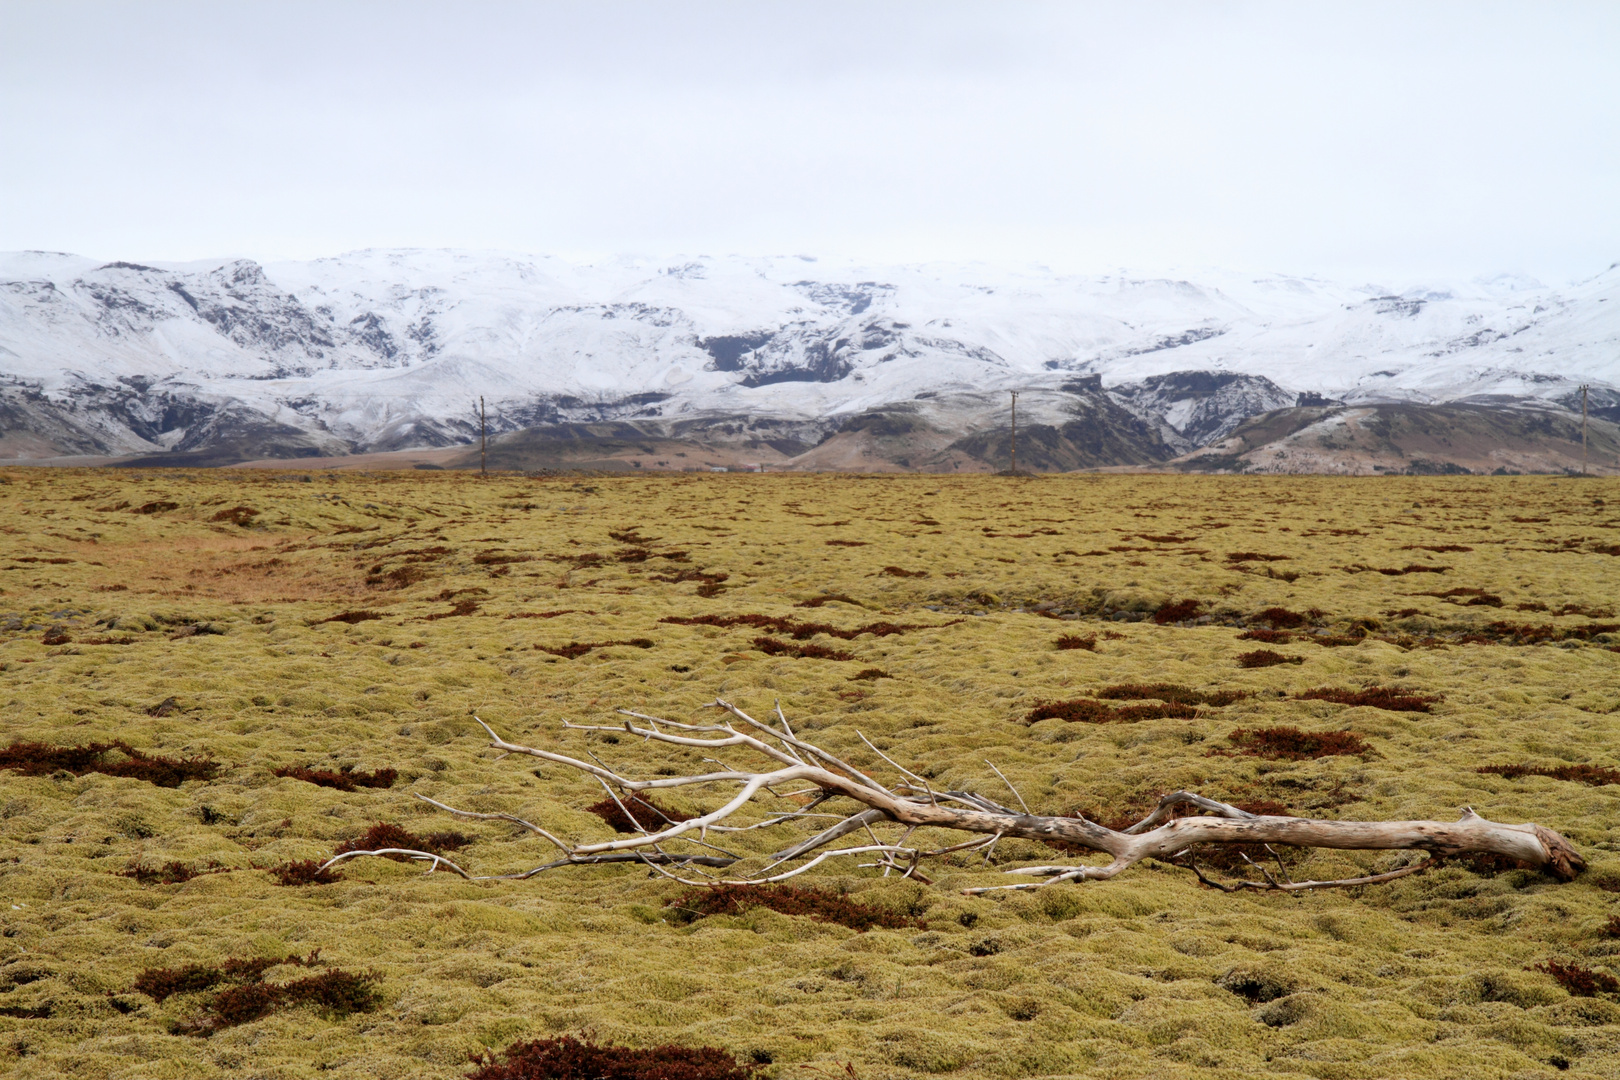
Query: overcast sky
[1400,140]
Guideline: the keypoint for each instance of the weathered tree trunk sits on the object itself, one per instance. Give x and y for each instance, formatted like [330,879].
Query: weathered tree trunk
[912,802]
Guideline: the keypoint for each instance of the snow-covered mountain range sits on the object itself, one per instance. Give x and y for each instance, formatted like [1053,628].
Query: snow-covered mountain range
[382,350]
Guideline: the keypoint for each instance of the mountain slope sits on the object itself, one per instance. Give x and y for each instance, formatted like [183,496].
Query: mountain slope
[386,350]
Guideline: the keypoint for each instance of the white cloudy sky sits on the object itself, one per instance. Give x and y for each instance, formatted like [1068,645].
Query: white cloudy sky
[1339,138]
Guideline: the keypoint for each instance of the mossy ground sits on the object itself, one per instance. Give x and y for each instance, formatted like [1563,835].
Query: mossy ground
[222,610]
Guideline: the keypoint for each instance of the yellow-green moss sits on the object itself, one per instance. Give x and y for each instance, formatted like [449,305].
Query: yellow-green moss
[1424,977]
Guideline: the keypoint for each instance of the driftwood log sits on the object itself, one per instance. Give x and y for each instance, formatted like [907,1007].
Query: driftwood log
[816,777]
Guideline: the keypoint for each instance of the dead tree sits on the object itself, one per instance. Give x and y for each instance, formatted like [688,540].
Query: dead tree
[818,778]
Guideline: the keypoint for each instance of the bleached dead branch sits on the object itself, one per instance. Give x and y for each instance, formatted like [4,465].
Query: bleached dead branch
[1160,835]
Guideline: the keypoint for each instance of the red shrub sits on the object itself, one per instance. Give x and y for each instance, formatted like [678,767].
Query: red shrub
[1270,637]
[1178,611]
[575,649]
[648,814]
[868,674]
[1292,744]
[345,779]
[1378,697]
[1579,981]
[387,835]
[1083,711]
[567,1058]
[170,873]
[810,652]
[1595,775]
[304,872]
[1281,618]
[42,759]
[1075,641]
[1170,692]
[1266,658]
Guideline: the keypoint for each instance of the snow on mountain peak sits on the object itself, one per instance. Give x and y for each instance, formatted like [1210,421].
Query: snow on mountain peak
[372,347]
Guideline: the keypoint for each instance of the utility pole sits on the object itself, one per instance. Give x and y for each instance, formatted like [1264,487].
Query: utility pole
[483,440]
[1583,429]
[1014,394]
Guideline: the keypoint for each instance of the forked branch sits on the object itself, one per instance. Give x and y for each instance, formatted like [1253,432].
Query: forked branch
[809,777]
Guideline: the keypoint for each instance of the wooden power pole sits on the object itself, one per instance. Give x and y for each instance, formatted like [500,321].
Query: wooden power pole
[483,439]
[1014,394]
[1583,429]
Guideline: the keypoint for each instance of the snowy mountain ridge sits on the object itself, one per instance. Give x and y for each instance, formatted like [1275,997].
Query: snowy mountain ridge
[385,349]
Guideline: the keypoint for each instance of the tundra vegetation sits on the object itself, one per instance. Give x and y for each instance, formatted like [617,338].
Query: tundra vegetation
[217,681]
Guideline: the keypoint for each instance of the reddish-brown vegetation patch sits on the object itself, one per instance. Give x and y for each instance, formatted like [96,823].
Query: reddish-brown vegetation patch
[1395,571]
[157,506]
[1438,549]
[460,608]
[1595,775]
[1270,637]
[247,997]
[352,617]
[900,571]
[384,834]
[160,984]
[1075,641]
[575,649]
[1477,597]
[1528,634]
[647,814]
[401,578]
[1260,658]
[802,631]
[1182,695]
[822,905]
[42,759]
[1281,618]
[170,873]
[1378,697]
[827,598]
[567,1058]
[1253,556]
[304,872]
[1178,611]
[708,584]
[56,635]
[500,558]
[237,515]
[632,535]
[1291,744]
[1579,981]
[870,674]
[548,614]
[346,778]
[809,651]
[846,543]
[1086,711]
